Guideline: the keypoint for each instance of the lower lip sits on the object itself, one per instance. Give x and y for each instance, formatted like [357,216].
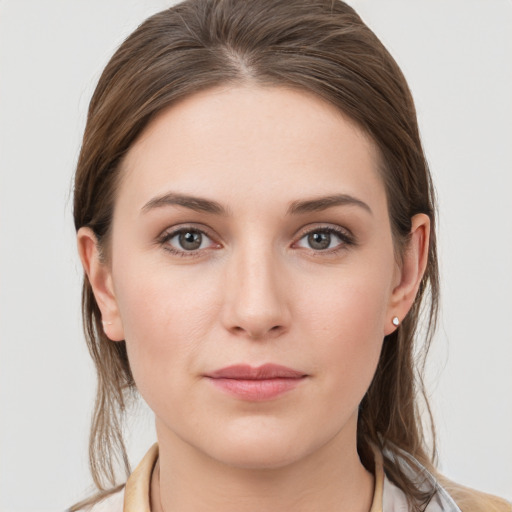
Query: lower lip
[257,390]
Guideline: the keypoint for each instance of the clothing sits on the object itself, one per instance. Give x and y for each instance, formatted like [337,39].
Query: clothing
[134,497]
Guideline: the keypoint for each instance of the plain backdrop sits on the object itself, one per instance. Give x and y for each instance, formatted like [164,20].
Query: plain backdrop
[457,56]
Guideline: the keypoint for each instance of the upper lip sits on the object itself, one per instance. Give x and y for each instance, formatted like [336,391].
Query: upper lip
[247,372]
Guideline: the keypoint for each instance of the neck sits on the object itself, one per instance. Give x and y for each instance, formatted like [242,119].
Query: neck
[330,479]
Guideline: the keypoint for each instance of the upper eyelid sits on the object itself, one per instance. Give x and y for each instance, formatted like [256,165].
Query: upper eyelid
[305,229]
[324,227]
[174,230]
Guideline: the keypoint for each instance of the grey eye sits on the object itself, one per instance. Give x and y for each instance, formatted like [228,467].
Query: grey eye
[319,240]
[187,240]
[322,239]
[190,240]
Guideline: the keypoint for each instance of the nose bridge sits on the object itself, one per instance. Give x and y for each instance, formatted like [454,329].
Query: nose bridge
[255,303]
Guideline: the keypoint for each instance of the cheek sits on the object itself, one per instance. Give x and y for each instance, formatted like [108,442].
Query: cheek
[346,318]
[166,317]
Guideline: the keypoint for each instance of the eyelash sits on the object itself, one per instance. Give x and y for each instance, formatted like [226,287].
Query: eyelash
[164,239]
[345,237]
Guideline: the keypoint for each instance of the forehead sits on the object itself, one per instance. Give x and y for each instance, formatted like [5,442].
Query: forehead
[238,142]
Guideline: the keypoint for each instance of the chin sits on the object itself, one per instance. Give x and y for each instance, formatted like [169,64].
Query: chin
[257,456]
[264,447]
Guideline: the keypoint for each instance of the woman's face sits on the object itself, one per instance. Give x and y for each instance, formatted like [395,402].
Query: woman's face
[251,228]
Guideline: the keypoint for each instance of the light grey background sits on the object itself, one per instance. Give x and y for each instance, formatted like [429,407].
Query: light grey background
[457,56]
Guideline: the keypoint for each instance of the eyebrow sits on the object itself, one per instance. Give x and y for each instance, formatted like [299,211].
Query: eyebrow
[193,203]
[209,206]
[322,203]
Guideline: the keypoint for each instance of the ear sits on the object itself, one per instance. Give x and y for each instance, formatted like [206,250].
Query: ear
[100,278]
[410,272]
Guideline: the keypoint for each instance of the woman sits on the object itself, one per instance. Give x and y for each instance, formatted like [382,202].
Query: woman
[256,222]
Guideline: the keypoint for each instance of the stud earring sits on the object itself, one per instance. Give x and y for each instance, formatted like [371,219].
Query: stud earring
[395,321]
[106,323]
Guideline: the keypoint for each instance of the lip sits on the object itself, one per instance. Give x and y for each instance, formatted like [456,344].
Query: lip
[247,372]
[256,383]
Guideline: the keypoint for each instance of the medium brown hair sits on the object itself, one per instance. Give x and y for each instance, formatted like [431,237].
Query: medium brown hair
[320,46]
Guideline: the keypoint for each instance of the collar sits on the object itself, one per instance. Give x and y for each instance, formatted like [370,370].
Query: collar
[136,490]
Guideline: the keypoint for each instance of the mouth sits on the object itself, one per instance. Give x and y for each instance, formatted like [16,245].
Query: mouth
[256,384]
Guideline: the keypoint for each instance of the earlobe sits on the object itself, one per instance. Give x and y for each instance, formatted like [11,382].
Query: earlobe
[100,278]
[411,272]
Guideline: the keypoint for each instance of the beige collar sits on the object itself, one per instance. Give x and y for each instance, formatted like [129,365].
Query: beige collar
[136,492]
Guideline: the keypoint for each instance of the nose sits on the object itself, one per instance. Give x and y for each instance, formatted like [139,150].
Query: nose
[255,304]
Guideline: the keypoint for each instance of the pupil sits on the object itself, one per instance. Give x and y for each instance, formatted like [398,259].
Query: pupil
[190,241]
[319,241]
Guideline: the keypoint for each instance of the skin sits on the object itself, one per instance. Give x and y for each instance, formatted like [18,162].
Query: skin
[256,291]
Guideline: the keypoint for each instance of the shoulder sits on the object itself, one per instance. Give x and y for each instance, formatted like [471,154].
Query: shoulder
[470,500]
[113,502]
[446,496]
[133,495]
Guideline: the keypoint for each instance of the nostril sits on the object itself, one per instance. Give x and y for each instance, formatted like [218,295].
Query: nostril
[257,333]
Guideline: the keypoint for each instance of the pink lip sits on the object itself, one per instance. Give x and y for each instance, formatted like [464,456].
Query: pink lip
[256,384]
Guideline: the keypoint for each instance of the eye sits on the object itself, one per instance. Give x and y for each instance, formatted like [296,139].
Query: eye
[323,239]
[185,240]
